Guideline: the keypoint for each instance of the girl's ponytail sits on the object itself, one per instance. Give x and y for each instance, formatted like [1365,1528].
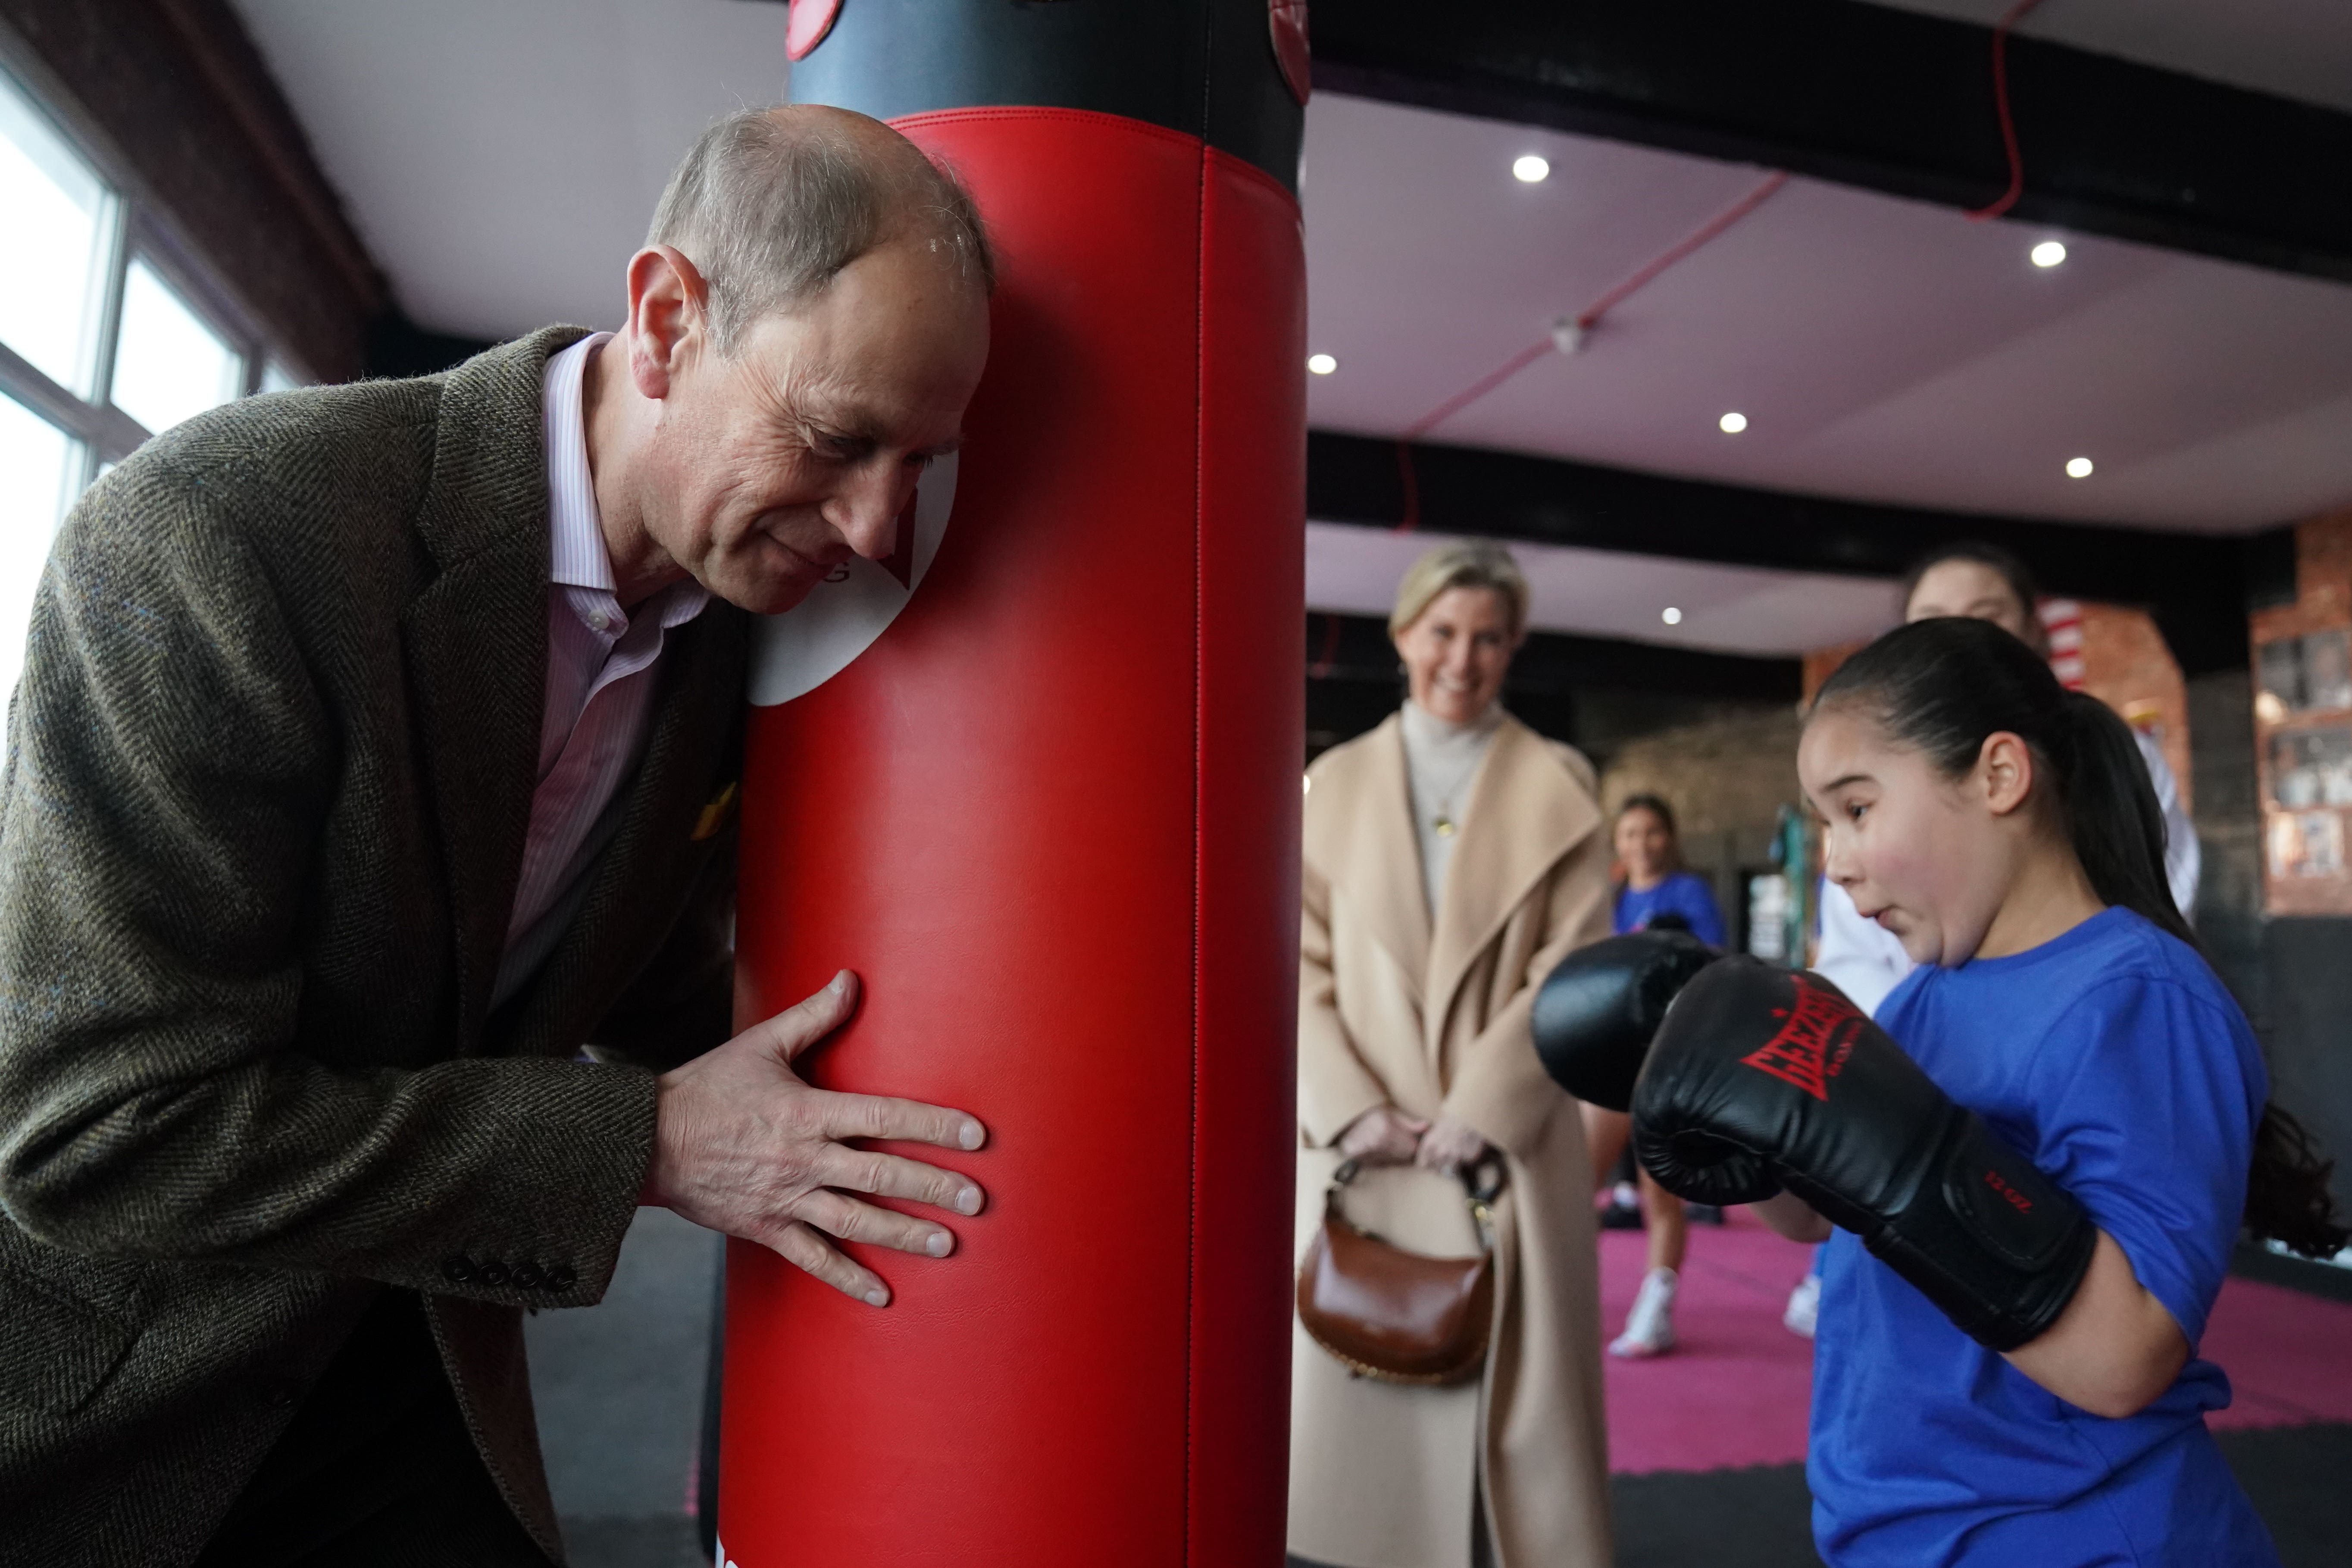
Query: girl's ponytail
[1941,687]
[2112,815]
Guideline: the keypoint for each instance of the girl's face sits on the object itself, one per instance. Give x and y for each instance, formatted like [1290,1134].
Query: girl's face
[1457,651]
[1931,859]
[1644,845]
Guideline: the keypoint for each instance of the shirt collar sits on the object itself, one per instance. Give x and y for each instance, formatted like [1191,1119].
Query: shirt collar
[577,559]
[576,556]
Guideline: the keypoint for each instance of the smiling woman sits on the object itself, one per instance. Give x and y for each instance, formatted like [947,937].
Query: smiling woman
[1452,857]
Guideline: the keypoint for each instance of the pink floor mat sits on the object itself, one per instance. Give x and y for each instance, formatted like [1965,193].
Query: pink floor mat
[1734,1391]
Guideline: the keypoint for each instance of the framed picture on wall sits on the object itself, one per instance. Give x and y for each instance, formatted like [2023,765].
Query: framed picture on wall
[2311,767]
[2309,674]
[2306,844]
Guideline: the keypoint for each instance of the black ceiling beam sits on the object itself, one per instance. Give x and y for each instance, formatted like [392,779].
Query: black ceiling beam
[1357,647]
[2195,585]
[1866,95]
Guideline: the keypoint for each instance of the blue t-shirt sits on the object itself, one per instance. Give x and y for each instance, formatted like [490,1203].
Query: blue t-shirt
[2114,1059]
[1684,893]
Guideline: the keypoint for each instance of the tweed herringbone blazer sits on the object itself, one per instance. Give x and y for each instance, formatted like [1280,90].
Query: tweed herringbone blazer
[268,777]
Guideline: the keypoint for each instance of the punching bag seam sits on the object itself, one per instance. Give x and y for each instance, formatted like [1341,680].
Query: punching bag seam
[1048,112]
[1199,693]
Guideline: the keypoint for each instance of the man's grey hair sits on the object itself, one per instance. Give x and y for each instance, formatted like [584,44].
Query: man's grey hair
[771,213]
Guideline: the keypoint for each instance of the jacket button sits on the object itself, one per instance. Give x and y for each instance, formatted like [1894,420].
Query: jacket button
[458,1269]
[560,1277]
[527,1275]
[492,1273]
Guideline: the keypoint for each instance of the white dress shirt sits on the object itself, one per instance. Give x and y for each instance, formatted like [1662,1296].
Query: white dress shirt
[601,667]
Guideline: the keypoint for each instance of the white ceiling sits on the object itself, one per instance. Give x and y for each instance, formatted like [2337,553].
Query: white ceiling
[1601,593]
[2295,48]
[501,157]
[1882,349]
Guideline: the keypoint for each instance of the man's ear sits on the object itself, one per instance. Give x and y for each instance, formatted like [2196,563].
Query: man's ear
[669,320]
[2005,770]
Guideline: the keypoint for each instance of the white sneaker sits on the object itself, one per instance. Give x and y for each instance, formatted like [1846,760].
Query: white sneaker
[1804,1306]
[1650,1326]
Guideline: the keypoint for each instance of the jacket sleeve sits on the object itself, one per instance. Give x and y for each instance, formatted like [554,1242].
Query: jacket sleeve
[170,766]
[1335,1087]
[1502,1090]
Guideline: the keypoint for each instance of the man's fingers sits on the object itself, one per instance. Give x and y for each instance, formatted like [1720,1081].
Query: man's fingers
[809,1020]
[890,1176]
[853,1221]
[803,1248]
[909,1121]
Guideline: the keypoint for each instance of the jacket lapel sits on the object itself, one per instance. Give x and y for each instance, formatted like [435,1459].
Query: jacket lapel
[475,642]
[636,886]
[1384,845]
[1526,811]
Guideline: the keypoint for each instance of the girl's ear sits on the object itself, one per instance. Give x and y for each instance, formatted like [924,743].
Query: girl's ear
[2005,772]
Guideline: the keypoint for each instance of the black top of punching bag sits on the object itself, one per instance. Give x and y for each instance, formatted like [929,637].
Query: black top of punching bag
[1206,67]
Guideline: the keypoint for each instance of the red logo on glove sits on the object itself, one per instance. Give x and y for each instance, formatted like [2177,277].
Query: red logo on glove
[1814,1042]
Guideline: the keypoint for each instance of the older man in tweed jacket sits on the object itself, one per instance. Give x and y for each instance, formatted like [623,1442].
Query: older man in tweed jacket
[374,754]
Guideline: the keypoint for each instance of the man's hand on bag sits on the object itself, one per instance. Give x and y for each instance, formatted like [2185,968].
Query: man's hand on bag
[1383,1136]
[742,1146]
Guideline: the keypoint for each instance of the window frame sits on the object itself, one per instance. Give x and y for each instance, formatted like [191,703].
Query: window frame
[134,225]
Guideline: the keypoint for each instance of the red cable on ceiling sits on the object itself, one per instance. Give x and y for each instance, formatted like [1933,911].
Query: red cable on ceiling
[1583,322]
[2001,30]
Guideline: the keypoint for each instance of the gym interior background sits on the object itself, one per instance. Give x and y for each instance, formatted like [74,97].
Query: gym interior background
[1720,313]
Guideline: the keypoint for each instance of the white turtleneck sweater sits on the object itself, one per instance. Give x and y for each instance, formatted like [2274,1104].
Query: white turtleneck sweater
[1441,763]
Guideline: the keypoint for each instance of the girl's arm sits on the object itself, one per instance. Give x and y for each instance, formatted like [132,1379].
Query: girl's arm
[1796,1219]
[2112,1349]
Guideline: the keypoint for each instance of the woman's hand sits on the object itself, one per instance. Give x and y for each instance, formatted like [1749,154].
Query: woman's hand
[1450,1145]
[1383,1136]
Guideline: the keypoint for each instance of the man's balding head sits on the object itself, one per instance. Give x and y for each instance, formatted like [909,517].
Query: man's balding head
[771,204]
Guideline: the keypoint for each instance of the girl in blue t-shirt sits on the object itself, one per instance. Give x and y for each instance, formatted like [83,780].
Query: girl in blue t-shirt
[1657,893]
[2006,831]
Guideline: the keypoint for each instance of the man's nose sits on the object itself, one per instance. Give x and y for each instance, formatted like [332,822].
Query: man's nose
[865,510]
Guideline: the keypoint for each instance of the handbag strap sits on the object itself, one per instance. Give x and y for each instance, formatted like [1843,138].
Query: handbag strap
[1481,1184]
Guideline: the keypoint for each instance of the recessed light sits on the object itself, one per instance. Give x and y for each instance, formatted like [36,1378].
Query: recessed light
[2049,253]
[1671,615]
[2078,467]
[1321,364]
[1732,424]
[1529,169]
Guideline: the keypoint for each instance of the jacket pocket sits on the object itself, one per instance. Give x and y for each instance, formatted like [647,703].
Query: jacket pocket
[54,1349]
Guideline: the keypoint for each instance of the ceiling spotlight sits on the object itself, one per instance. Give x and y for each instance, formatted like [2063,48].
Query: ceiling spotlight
[1321,364]
[1530,169]
[2049,253]
[1732,424]
[2078,467]
[1671,615]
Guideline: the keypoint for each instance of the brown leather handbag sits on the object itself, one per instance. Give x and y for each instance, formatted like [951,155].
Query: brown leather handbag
[1393,1315]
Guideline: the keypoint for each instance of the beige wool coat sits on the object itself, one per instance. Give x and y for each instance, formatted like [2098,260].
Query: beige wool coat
[1432,1016]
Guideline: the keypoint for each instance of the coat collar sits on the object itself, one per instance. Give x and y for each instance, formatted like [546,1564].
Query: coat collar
[1526,812]
[476,641]
[1394,904]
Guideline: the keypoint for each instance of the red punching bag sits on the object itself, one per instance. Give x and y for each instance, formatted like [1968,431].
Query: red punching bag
[1035,778]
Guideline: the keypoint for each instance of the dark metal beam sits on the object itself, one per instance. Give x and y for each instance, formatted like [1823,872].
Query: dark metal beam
[1887,99]
[2195,586]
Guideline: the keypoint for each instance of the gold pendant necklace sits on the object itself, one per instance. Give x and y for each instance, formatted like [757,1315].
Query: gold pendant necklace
[1444,823]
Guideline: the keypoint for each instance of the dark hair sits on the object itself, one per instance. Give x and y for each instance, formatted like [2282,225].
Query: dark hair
[1993,557]
[1655,805]
[1941,687]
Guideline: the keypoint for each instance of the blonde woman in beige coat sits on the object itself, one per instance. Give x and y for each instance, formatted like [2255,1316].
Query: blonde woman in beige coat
[1452,856]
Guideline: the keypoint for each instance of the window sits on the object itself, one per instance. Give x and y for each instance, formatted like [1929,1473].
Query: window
[104,340]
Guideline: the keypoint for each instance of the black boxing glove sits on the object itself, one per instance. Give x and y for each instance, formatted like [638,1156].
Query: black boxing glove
[1762,1078]
[1594,1015]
